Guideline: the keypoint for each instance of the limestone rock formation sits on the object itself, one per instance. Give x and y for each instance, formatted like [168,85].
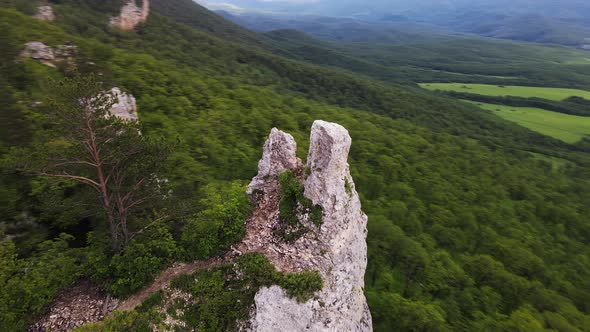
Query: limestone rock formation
[278,156]
[337,249]
[131,15]
[45,13]
[125,106]
[50,56]
[40,52]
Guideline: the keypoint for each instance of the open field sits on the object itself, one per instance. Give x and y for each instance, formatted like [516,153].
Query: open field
[568,128]
[517,91]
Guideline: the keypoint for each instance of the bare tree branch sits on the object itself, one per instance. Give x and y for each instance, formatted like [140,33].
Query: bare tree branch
[81,179]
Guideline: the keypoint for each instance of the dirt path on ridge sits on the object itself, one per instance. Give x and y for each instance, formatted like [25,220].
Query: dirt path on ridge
[258,238]
[166,276]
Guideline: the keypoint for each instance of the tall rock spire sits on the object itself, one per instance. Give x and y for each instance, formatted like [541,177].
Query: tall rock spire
[337,249]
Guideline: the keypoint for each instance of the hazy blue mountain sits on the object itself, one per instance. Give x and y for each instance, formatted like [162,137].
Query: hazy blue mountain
[340,28]
[376,8]
[545,21]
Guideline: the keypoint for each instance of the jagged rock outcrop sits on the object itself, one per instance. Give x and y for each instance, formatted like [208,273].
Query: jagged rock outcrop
[278,155]
[337,249]
[125,106]
[48,55]
[45,13]
[40,52]
[131,15]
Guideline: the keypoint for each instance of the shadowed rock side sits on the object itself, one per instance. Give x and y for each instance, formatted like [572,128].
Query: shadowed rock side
[337,249]
[131,15]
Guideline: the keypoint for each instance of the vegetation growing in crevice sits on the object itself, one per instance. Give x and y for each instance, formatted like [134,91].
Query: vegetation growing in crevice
[294,206]
[347,187]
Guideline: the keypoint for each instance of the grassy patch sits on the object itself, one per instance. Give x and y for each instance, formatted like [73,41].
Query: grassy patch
[120,321]
[565,127]
[509,90]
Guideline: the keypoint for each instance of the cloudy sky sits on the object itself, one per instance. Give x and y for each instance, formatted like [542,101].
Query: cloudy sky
[355,7]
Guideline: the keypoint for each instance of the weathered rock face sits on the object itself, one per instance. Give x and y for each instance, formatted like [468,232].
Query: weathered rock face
[278,156]
[337,249]
[40,52]
[131,15]
[125,107]
[45,13]
[50,56]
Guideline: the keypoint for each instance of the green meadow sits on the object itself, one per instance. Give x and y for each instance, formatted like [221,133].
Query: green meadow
[568,128]
[508,90]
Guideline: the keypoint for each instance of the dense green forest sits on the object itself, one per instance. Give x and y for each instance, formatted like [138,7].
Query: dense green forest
[445,59]
[472,226]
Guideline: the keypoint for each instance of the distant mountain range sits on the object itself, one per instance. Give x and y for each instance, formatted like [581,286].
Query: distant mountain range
[426,8]
[542,21]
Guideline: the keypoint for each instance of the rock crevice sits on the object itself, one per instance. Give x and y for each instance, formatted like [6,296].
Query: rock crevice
[337,249]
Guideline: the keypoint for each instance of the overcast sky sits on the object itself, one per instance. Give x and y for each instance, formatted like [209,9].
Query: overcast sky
[353,7]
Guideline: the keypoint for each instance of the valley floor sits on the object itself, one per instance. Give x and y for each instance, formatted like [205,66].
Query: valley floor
[565,127]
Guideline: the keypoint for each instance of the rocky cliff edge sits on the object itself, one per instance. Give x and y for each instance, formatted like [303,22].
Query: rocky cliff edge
[336,249]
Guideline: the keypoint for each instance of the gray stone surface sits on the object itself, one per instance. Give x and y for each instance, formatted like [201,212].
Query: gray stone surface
[278,156]
[47,55]
[125,107]
[40,52]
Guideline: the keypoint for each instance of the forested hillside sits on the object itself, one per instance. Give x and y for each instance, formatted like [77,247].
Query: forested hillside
[475,223]
[444,59]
